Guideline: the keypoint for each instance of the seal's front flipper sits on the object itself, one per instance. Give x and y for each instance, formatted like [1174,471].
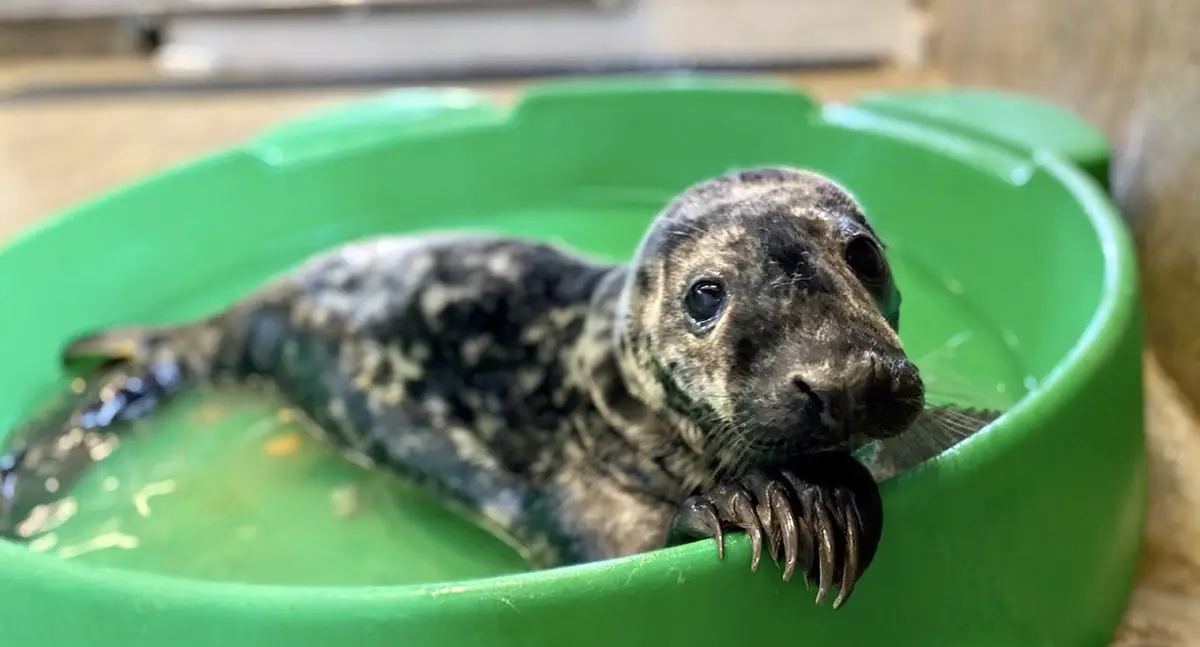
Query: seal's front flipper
[822,514]
[46,455]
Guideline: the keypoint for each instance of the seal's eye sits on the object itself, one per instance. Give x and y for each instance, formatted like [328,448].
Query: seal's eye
[703,301]
[866,260]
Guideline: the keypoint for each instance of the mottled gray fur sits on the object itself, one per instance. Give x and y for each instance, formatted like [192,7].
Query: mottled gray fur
[565,403]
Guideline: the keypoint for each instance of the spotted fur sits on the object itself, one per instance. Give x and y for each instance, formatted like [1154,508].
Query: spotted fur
[561,401]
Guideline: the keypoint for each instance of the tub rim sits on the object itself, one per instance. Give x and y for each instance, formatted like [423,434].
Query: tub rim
[1100,338]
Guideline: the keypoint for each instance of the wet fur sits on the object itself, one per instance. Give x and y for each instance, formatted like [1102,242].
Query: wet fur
[558,400]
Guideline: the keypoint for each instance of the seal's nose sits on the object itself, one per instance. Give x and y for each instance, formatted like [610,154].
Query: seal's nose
[893,395]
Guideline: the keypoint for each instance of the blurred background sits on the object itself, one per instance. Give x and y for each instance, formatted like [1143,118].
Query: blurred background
[96,93]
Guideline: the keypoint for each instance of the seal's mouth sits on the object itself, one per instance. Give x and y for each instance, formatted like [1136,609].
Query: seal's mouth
[781,451]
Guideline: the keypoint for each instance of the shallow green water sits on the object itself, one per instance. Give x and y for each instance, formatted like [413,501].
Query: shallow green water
[228,485]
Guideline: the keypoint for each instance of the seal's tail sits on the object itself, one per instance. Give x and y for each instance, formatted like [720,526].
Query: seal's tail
[129,373]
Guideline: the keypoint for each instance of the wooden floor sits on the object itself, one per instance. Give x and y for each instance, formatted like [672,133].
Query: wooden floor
[56,154]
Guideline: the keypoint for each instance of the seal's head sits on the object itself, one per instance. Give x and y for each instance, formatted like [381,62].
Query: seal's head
[761,305]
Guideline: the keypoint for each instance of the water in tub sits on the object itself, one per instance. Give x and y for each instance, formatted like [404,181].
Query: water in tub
[229,483]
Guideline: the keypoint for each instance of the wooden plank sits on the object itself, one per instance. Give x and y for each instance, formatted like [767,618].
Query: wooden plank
[92,9]
[647,30]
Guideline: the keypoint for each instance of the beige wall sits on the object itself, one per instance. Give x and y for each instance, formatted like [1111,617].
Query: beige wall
[1132,67]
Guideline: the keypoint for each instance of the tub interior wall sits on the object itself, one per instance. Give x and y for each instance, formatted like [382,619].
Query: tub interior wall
[631,156]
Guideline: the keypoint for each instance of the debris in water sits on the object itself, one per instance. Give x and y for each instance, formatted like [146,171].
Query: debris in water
[78,385]
[284,445]
[247,533]
[111,483]
[1010,340]
[285,415]
[44,543]
[108,540]
[345,500]
[141,500]
[953,286]
[207,414]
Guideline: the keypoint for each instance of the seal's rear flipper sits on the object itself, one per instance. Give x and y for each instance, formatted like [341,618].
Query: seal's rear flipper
[43,457]
[126,344]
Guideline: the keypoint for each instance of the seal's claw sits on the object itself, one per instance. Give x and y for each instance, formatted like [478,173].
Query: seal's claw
[813,505]
[853,525]
[761,490]
[789,531]
[697,517]
[743,511]
[706,515]
[821,515]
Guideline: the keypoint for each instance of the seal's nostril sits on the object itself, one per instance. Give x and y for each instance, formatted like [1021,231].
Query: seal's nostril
[801,384]
[817,401]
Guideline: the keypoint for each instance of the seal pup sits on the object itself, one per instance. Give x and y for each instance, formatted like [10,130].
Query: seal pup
[581,410]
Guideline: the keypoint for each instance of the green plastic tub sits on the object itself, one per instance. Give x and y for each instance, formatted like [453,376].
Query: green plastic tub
[1019,289]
